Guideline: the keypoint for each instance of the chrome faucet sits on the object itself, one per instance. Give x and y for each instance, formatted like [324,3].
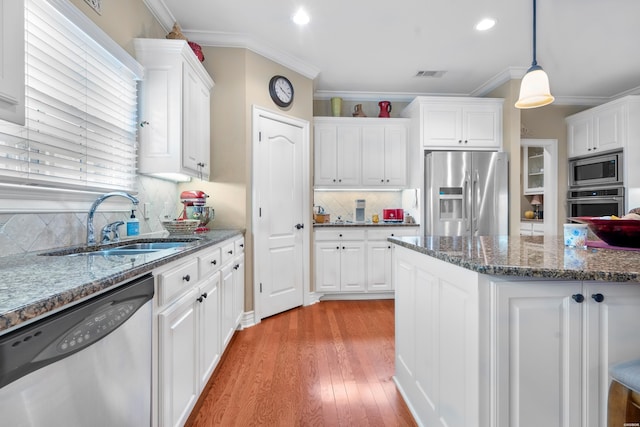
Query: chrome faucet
[91,238]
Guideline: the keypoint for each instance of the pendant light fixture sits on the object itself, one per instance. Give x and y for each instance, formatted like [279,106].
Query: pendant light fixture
[534,89]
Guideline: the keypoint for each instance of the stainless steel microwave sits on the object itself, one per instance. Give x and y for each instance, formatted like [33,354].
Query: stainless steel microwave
[603,169]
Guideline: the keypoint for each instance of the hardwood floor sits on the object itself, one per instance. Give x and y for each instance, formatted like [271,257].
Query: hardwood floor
[329,364]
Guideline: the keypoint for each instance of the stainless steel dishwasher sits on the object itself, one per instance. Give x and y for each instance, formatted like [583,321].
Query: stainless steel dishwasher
[88,365]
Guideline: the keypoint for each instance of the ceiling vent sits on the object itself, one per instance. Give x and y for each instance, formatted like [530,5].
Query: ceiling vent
[430,73]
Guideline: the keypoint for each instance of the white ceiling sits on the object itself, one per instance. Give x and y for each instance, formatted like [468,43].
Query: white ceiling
[361,48]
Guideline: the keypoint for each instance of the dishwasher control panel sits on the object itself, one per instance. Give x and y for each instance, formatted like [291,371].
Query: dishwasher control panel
[97,326]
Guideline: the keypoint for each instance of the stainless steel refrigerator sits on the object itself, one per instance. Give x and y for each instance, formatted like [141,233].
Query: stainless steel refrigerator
[466,193]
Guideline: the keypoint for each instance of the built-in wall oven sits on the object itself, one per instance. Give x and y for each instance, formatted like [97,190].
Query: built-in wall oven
[596,186]
[596,201]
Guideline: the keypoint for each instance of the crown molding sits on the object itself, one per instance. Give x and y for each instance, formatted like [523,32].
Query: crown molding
[161,12]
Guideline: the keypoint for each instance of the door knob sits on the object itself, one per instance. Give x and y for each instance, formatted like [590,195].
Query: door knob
[299,226]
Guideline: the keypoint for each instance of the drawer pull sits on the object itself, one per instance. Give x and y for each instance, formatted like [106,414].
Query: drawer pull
[214,262]
[186,278]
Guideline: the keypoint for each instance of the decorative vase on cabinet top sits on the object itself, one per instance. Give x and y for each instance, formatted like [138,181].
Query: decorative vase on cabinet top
[385,108]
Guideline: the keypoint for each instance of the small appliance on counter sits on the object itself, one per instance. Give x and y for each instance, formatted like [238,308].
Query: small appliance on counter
[359,211]
[194,202]
[393,215]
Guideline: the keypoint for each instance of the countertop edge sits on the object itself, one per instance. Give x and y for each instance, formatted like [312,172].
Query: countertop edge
[519,271]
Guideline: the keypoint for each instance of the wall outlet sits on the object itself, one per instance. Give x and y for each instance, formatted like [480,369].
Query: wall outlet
[167,211]
[146,210]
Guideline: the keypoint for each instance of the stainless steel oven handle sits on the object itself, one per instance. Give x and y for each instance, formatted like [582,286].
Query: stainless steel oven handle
[592,199]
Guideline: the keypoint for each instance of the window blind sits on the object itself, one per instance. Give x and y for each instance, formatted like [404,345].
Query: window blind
[81,111]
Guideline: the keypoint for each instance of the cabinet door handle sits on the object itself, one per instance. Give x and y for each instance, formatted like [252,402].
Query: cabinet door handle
[237,266]
[338,247]
[205,295]
[382,180]
[598,297]
[578,298]
[389,247]
[186,278]
[230,252]
[340,235]
[199,299]
[242,245]
[143,123]
[343,248]
[299,226]
[214,262]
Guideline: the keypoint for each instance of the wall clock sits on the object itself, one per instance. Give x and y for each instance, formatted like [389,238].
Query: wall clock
[281,91]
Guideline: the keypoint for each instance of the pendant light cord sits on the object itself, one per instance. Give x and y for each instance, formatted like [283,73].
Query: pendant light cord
[534,63]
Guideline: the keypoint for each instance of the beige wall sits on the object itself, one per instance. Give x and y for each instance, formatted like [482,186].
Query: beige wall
[548,123]
[124,20]
[511,143]
[241,81]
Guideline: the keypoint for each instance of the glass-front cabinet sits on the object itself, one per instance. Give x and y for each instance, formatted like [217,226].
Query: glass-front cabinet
[533,170]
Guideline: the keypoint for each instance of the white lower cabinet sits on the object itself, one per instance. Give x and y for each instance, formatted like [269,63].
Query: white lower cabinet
[478,350]
[199,306]
[355,259]
[178,360]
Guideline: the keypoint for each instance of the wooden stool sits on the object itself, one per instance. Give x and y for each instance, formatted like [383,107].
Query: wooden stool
[624,395]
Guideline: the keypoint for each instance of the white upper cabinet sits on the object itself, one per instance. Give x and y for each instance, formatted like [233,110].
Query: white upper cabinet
[597,130]
[174,111]
[457,123]
[360,152]
[384,156]
[12,61]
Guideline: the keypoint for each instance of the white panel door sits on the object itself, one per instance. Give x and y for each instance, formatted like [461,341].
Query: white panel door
[395,156]
[279,234]
[209,325]
[379,266]
[349,155]
[177,358]
[611,319]
[352,268]
[327,256]
[538,344]
[373,155]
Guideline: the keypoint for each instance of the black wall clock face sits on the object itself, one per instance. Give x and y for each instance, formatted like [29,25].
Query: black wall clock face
[281,91]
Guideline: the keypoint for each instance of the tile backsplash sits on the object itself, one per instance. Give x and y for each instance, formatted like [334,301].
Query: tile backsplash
[26,232]
[342,203]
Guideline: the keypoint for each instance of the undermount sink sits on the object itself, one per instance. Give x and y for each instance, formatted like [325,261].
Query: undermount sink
[123,248]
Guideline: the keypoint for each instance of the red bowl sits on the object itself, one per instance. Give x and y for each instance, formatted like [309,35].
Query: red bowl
[615,232]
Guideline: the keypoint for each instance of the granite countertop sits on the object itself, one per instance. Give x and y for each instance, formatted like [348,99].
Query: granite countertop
[529,256]
[365,224]
[35,285]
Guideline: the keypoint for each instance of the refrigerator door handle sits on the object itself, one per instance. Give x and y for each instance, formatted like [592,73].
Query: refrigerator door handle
[466,203]
[475,197]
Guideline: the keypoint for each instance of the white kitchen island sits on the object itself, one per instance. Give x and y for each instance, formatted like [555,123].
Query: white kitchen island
[511,331]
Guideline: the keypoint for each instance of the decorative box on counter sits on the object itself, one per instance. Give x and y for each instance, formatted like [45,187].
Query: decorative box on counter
[322,218]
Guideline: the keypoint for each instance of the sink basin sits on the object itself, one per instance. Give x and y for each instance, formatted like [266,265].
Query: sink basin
[123,248]
[151,246]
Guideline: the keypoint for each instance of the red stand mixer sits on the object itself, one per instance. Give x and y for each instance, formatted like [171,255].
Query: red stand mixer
[194,202]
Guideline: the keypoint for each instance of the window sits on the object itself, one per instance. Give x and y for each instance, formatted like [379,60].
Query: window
[81,106]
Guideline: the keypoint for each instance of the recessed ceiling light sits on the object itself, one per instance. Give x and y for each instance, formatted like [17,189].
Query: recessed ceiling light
[485,24]
[301,17]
